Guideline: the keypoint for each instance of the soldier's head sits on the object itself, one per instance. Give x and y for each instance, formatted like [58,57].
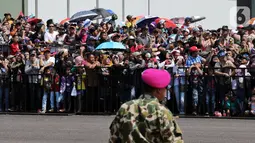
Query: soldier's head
[156,82]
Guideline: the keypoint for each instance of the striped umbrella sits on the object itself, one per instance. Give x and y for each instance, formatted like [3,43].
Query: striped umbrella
[168,22]
[146,20]
[178,20]
[83,15]
[111,46]
[138,18]
[64,21]
[251,21]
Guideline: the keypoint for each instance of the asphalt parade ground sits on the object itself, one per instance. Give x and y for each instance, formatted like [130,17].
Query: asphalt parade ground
[95,129]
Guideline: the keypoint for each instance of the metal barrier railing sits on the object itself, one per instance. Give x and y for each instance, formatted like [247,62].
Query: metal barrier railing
[99,93]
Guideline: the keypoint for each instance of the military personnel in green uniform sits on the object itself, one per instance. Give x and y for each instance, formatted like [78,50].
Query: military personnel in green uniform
[146,120]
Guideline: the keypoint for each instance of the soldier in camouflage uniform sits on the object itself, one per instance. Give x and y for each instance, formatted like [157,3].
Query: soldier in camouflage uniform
[146,120]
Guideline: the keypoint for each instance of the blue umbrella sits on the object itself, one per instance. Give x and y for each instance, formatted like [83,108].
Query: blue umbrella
[83,15]
[146,20]
[111,46]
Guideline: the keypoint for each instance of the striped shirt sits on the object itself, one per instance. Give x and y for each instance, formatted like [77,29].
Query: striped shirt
[191,60]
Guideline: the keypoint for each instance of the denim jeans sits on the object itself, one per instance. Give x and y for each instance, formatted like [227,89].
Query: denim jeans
[210,100]
[59,98]
[194,96]
[179,99]
[45,96]
[4,92]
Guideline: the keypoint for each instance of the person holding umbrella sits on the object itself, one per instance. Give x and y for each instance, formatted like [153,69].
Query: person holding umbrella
[187,22]
[146,119]
[130,22]
[8,18]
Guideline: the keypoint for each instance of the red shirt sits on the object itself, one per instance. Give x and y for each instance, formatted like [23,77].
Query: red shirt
[136,48]
[14,48]
[133,49]
[55,85]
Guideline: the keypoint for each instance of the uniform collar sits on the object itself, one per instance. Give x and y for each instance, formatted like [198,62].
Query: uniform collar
[147,96]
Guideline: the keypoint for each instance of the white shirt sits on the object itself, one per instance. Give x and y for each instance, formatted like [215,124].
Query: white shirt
[50,37]
[61,39]
[51,59]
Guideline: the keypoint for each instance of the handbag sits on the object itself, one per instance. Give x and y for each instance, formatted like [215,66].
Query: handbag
[74,91]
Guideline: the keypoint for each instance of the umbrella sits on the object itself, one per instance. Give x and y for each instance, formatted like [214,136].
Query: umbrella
[64,21]
[196,19]
[145,20]
[178,20]
[251,21]
[168,22]
[138,18]
[21,14]
[34,20]
[83,15]
[110,11]
[102,13]
[111,46]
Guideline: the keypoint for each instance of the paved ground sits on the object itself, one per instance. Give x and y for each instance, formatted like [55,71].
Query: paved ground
[94,129]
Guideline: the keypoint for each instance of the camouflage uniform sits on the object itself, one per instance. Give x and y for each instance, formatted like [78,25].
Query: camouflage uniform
[144,120]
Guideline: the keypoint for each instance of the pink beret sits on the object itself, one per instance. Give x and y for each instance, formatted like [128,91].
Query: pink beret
[156,78]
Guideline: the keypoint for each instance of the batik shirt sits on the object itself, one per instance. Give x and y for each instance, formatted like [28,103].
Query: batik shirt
[144,120]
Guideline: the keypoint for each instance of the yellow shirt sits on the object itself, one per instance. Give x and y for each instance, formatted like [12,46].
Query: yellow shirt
[130,24]
[81,82]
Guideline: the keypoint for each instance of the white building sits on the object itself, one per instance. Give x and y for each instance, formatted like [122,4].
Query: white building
[217,12]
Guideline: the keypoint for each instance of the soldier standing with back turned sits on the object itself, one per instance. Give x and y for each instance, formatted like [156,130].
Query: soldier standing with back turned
[146,120]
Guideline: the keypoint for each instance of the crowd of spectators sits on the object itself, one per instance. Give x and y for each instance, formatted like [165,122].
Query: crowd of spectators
[212,70]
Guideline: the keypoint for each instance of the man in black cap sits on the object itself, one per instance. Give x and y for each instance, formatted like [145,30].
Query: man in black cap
[112,20]
[130,22]
[225,35]
[32,68]
[8,18]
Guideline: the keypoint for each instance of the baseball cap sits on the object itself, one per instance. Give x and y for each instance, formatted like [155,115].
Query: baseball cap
[188,19]
[221,54]
[186,30]
[73,27]
[10,57]
[131,38]
[47,50]
[136,54]
[195,29]
[7,14]
[193,49]
[130,17]
[224,28]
